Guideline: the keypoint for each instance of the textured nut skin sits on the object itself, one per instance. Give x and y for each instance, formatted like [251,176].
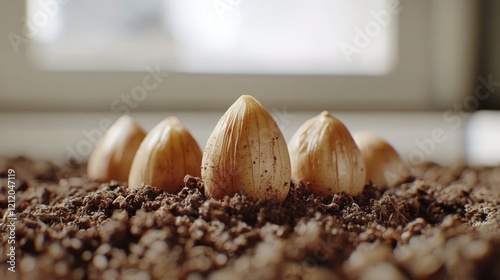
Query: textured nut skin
[246,153]
[384,166]
[112,157]
[167,154]
[323,153]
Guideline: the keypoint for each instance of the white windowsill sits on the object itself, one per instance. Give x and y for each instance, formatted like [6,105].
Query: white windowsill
[56,135]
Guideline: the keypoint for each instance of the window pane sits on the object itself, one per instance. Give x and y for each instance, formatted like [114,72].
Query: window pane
[222,36]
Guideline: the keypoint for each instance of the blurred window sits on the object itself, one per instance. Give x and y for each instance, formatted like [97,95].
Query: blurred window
[217,36]
[310,55]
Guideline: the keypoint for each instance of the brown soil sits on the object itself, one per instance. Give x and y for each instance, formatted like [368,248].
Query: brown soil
[444,224]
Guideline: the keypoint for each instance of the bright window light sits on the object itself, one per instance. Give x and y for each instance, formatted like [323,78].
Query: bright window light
[338,37]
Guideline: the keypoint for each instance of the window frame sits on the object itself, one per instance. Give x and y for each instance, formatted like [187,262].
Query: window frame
[436,69]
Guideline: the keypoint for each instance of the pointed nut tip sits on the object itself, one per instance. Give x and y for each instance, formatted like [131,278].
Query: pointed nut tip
[247,98]
[325,115]
[172,120]
[370,140]
[124,119]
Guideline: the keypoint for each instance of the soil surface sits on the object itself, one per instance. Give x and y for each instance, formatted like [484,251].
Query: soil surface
[442,224]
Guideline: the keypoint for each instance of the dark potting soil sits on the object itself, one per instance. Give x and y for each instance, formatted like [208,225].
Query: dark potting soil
[444,224]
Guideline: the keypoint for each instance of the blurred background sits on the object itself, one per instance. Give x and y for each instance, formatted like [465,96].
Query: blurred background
[424,74]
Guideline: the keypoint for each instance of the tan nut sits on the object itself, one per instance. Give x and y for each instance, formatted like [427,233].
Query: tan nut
[324,154]
[246,153]
[112,157]
[167,154]
[384,166]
